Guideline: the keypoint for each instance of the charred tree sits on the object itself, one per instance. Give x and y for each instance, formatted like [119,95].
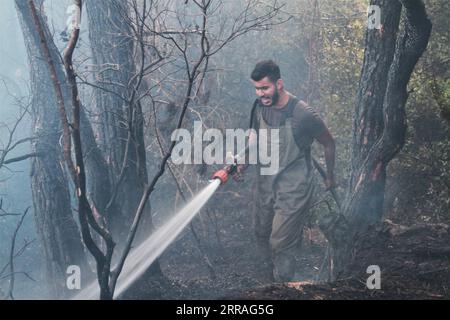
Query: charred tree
[59,236]
[391,53]
[120,119]
[71,136]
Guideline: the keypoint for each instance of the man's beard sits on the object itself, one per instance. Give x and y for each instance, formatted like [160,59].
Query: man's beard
[274,99]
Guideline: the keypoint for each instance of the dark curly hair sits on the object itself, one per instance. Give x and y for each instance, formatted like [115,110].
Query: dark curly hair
[266,68]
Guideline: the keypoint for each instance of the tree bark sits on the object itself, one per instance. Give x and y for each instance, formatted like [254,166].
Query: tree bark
[113,56]
[121,120]
[380,122]
[57,229]
[368,121]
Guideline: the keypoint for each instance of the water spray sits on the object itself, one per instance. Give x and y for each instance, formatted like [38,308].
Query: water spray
[141,257]
[150,249]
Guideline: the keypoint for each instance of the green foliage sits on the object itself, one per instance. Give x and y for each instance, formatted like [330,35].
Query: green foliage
[339,68]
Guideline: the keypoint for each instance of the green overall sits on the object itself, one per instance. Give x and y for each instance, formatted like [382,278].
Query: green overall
[282,200]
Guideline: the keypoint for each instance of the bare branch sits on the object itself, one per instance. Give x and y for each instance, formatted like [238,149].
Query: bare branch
[85,213]
[17,272]
[149,189]
[57,87]
[180,191]
[11,255]
[21,158]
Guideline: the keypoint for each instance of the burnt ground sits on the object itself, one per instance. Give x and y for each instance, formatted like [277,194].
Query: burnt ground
[414,263]
[223,260]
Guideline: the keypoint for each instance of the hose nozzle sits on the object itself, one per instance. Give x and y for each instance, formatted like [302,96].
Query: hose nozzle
[223,174]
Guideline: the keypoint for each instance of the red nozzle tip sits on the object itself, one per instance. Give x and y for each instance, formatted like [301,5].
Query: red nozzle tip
[222,175]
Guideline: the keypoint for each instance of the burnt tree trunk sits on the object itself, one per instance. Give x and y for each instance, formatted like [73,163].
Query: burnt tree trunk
[368,123]
[380,123]
[113,57]
[120,117]
[58,232]
[99,184]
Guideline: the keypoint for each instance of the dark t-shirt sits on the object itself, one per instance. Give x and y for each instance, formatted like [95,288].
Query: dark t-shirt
[306,123]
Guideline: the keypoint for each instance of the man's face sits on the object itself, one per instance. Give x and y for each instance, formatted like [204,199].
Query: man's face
[267,91]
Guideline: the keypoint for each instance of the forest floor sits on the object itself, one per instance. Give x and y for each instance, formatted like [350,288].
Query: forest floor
[414,263]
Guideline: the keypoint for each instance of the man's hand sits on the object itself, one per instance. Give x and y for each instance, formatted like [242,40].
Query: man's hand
[238,176]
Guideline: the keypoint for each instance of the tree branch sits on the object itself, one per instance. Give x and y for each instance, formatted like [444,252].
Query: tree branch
[21,158]
[11,256]
[57,87]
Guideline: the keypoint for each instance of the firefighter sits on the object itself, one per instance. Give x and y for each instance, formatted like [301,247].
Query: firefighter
[282,200]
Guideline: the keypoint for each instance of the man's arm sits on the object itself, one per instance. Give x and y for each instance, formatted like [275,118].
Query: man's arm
[316,128]
[327,141]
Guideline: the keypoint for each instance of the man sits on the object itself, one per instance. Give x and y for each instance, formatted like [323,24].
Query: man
[282,200]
